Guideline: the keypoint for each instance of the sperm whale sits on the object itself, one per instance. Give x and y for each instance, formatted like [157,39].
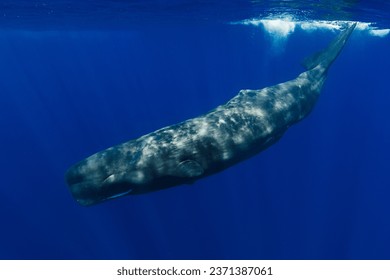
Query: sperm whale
[185,152]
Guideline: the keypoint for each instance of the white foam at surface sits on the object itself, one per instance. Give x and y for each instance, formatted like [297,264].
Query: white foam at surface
[282,27]
[380,32]
[363,26]
[279,27]
[315,25]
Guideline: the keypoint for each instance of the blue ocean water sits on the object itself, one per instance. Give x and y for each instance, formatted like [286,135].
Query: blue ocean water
[79,78]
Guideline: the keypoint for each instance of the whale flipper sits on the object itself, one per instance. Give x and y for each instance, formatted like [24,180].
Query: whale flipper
[189,168]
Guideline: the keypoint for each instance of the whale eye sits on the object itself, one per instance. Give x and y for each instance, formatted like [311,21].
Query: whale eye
[109,179]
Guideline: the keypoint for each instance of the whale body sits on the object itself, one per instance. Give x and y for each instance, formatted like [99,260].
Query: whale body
[185,152]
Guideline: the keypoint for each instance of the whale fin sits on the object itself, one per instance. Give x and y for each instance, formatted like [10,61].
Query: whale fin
[189,168]
[312,60]
[328,55]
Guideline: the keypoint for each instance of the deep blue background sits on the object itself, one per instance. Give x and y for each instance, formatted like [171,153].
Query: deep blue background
[321,192]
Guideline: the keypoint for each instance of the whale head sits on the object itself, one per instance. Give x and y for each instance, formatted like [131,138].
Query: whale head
[103,176]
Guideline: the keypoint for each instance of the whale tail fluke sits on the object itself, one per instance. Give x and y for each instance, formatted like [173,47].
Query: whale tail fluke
[328,55]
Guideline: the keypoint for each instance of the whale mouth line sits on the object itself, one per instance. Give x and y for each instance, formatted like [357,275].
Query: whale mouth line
[90,189]
[120,194]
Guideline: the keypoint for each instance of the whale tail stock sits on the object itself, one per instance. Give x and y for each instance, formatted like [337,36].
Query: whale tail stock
[328,55]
